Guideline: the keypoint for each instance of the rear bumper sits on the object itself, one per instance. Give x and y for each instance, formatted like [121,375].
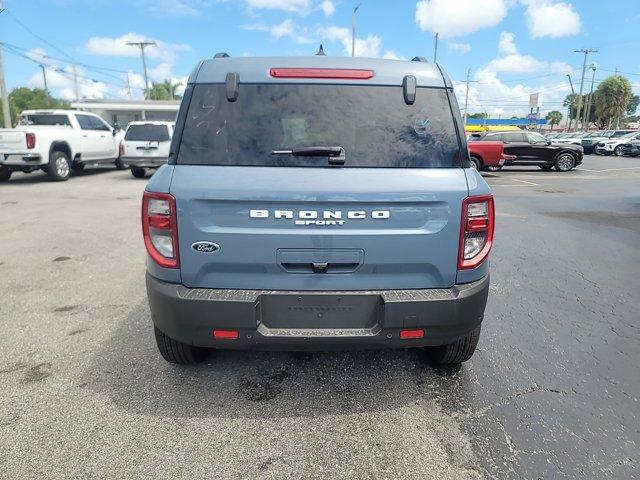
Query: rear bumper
[191,315]
[143,162]
[20,159]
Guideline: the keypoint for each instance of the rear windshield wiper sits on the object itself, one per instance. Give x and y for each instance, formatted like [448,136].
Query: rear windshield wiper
[336,155]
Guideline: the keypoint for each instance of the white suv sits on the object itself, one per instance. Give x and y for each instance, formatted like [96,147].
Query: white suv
[146,145]
[614,145]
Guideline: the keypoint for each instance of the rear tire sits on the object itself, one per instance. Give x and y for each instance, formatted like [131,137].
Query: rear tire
[5,173]
[138,172]
[59,168]
[120,165]
[493,168]
[177,352]
[476,163]
[456,352]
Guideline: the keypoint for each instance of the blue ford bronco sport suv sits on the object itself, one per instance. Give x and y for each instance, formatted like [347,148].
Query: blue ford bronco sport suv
[314,203]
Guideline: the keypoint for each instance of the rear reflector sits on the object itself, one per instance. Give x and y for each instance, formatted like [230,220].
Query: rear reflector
[413,333]
[349,74]
[225,334]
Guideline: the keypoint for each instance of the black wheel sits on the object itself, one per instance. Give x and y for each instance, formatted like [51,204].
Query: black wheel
[5,173]
[618,151]
[475,162]
[456,352]
[494,168]
[546,168]
[138,172]
[174,351]
[119,164]
[565,161]
[59,168]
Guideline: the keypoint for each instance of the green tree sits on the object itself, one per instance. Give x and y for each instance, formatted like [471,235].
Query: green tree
[24,98]
[554,117]
[164,91]
[612,99]
[480,115]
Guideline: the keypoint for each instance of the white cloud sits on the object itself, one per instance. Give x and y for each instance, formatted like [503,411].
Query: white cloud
[37,54]
[459,47]
[546,18]
[369,46]
[391,55]
[117,47]
[455,18]
[327,7]
[511,61]
[287,28]
[297,6]
[61,84]
[333,33]
[173,8]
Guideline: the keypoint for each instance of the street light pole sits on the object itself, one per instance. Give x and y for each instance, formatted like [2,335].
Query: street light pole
[6,113]
[466,98]
[353,31]
[142,46]
[586,52]
[435,48]
[587,108]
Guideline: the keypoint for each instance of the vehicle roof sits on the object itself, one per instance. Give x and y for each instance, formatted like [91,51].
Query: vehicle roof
[44,111]
[150,122]
[256,70]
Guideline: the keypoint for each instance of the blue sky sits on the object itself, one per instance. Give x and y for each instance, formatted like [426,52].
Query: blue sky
[511,47]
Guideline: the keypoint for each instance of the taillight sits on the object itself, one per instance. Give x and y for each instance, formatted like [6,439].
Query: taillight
[476,231]
[31,140]
[160,228]
[122,149]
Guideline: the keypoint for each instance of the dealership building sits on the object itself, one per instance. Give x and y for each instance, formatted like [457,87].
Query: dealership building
[121,112]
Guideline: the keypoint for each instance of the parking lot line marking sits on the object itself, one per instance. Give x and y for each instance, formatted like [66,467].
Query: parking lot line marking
[526,182]
[610,169]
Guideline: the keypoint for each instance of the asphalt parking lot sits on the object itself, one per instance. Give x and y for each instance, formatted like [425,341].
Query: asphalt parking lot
[552,392]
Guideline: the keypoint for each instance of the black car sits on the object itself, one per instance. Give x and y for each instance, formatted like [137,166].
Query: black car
[631,148]
[531,148]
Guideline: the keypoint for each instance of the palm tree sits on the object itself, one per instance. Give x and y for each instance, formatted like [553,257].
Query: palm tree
[554,117]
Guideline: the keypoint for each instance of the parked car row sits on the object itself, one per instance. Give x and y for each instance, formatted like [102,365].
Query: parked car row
[606,142]
[61,141]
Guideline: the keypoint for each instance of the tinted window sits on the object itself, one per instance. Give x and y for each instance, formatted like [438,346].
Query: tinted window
[620,133]
[89,122]
[147,133]
[535,138]
[373,125]
[44,119]
[513,137]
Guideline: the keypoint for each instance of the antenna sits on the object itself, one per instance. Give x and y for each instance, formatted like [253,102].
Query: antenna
[321,51]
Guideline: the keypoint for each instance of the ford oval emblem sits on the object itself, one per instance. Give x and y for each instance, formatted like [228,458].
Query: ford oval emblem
[205,247]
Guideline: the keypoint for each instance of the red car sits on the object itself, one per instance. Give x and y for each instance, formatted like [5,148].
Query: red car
[488,155]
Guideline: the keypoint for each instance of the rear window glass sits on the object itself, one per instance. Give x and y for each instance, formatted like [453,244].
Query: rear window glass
[373,125]
[44,119]
[147,133]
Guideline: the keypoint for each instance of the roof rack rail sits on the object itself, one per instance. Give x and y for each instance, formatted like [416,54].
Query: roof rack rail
[419,59]
[221,55]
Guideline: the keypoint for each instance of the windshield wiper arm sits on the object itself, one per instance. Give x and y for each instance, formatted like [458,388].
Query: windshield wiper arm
[336,154]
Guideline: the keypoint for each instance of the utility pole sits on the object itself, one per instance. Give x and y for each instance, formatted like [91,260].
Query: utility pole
[128,87]
[569,119]
[353,31]
[44,79]
[466,98]
[75,82]
[586,52]
[587,108]
[6,113]
[435,49]
[142,46]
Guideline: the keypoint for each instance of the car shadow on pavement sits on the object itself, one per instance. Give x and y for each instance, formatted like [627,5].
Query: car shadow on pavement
[20,178]
[128,369]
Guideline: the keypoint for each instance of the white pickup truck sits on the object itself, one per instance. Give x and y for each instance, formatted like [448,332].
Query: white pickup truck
[57,141]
